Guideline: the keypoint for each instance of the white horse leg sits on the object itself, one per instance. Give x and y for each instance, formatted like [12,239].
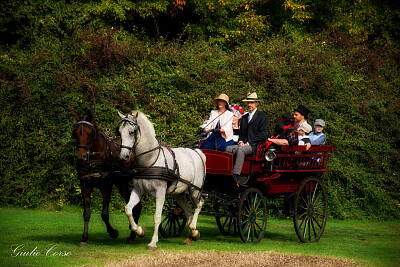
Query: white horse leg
[160,198]
[198,203]
[133,201]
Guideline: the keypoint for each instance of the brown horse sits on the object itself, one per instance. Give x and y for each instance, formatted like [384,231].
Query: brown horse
[99,166]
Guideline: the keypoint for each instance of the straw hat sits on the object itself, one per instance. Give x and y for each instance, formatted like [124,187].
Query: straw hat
[223,97]
[251,97]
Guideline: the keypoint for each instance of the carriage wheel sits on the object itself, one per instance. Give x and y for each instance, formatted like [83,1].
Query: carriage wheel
[174,219]
[310,210]
[252,216]
[227,224]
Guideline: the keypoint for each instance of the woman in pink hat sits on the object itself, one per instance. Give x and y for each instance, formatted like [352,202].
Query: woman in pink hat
[219,128]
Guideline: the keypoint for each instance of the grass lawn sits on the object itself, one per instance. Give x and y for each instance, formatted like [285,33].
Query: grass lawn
[57,234]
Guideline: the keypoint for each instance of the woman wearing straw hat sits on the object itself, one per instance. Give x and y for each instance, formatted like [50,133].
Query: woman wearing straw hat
[219,128]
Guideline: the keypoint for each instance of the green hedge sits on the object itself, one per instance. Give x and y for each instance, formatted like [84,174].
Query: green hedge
[353,87]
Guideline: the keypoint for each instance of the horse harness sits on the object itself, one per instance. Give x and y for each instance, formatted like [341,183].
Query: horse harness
[96,167]
[151,172]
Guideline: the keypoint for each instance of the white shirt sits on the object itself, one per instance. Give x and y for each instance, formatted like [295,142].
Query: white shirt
[251,115]
[225,122]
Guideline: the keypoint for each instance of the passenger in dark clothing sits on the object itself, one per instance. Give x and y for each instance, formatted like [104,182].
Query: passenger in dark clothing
[253,130]
[289,137]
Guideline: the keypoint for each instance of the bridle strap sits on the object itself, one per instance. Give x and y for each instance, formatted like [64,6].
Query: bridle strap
[134,123]
[93,137]
[85,122]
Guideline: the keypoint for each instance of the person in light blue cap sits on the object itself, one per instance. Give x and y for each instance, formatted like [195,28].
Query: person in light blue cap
[317,137]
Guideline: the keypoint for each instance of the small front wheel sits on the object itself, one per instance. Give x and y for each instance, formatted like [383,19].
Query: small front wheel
[252,216]
[227,224]
[174,219]
[310,210]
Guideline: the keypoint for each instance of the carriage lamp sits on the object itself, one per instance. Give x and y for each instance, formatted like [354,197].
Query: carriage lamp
[270,155]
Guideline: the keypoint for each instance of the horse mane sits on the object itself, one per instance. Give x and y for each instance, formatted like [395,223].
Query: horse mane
[143,121]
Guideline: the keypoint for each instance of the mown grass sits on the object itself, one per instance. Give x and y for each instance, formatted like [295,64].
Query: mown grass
[366,242]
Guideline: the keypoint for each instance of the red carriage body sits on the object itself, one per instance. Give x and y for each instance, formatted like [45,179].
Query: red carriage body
[290,173]
[279,175]
[242,209]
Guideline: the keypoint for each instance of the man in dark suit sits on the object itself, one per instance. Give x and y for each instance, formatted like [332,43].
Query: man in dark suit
[253,130]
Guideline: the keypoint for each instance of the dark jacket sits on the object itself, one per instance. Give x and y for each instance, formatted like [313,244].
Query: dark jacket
[255,131]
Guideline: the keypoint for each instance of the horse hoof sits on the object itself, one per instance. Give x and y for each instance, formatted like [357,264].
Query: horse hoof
[151,248]
[141,234]
[196,237]
[82,244]
[130,240]
[114,234]
[187,242]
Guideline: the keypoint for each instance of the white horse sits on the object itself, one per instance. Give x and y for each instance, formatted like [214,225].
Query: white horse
[140,147]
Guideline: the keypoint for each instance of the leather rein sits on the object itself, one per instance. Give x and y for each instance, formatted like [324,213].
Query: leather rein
[151,172]
[94,136]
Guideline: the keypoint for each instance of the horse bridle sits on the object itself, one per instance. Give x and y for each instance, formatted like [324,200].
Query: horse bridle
[137,131]
[94,134]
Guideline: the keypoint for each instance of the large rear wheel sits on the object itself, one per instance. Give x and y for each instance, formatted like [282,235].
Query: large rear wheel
[310,210]
[252,216]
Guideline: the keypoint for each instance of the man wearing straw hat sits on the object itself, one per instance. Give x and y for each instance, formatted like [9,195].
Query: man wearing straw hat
[253,130]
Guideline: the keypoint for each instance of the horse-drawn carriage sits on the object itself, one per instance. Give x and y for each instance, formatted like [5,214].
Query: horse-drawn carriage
[197,174]
[241,209]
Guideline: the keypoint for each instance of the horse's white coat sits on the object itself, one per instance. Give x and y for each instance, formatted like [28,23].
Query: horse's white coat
[191,167]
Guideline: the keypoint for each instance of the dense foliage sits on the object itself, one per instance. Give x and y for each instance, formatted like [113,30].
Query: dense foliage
[170,58]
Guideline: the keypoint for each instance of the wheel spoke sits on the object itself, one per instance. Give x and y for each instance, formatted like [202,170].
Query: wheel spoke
[226,220]
[258,203]
[301,206]
[168,227]
[310,184]
[315,190]
[259,227]
[305,229]
[304,213]
[317,197]
[304,201]
[230,224]
[166,218]
[315,233]
[317,223]
[319,205]
[247,209]
[174,224]
[253,200]
[167,224]
[246,228]
[245,221]
[304,219]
